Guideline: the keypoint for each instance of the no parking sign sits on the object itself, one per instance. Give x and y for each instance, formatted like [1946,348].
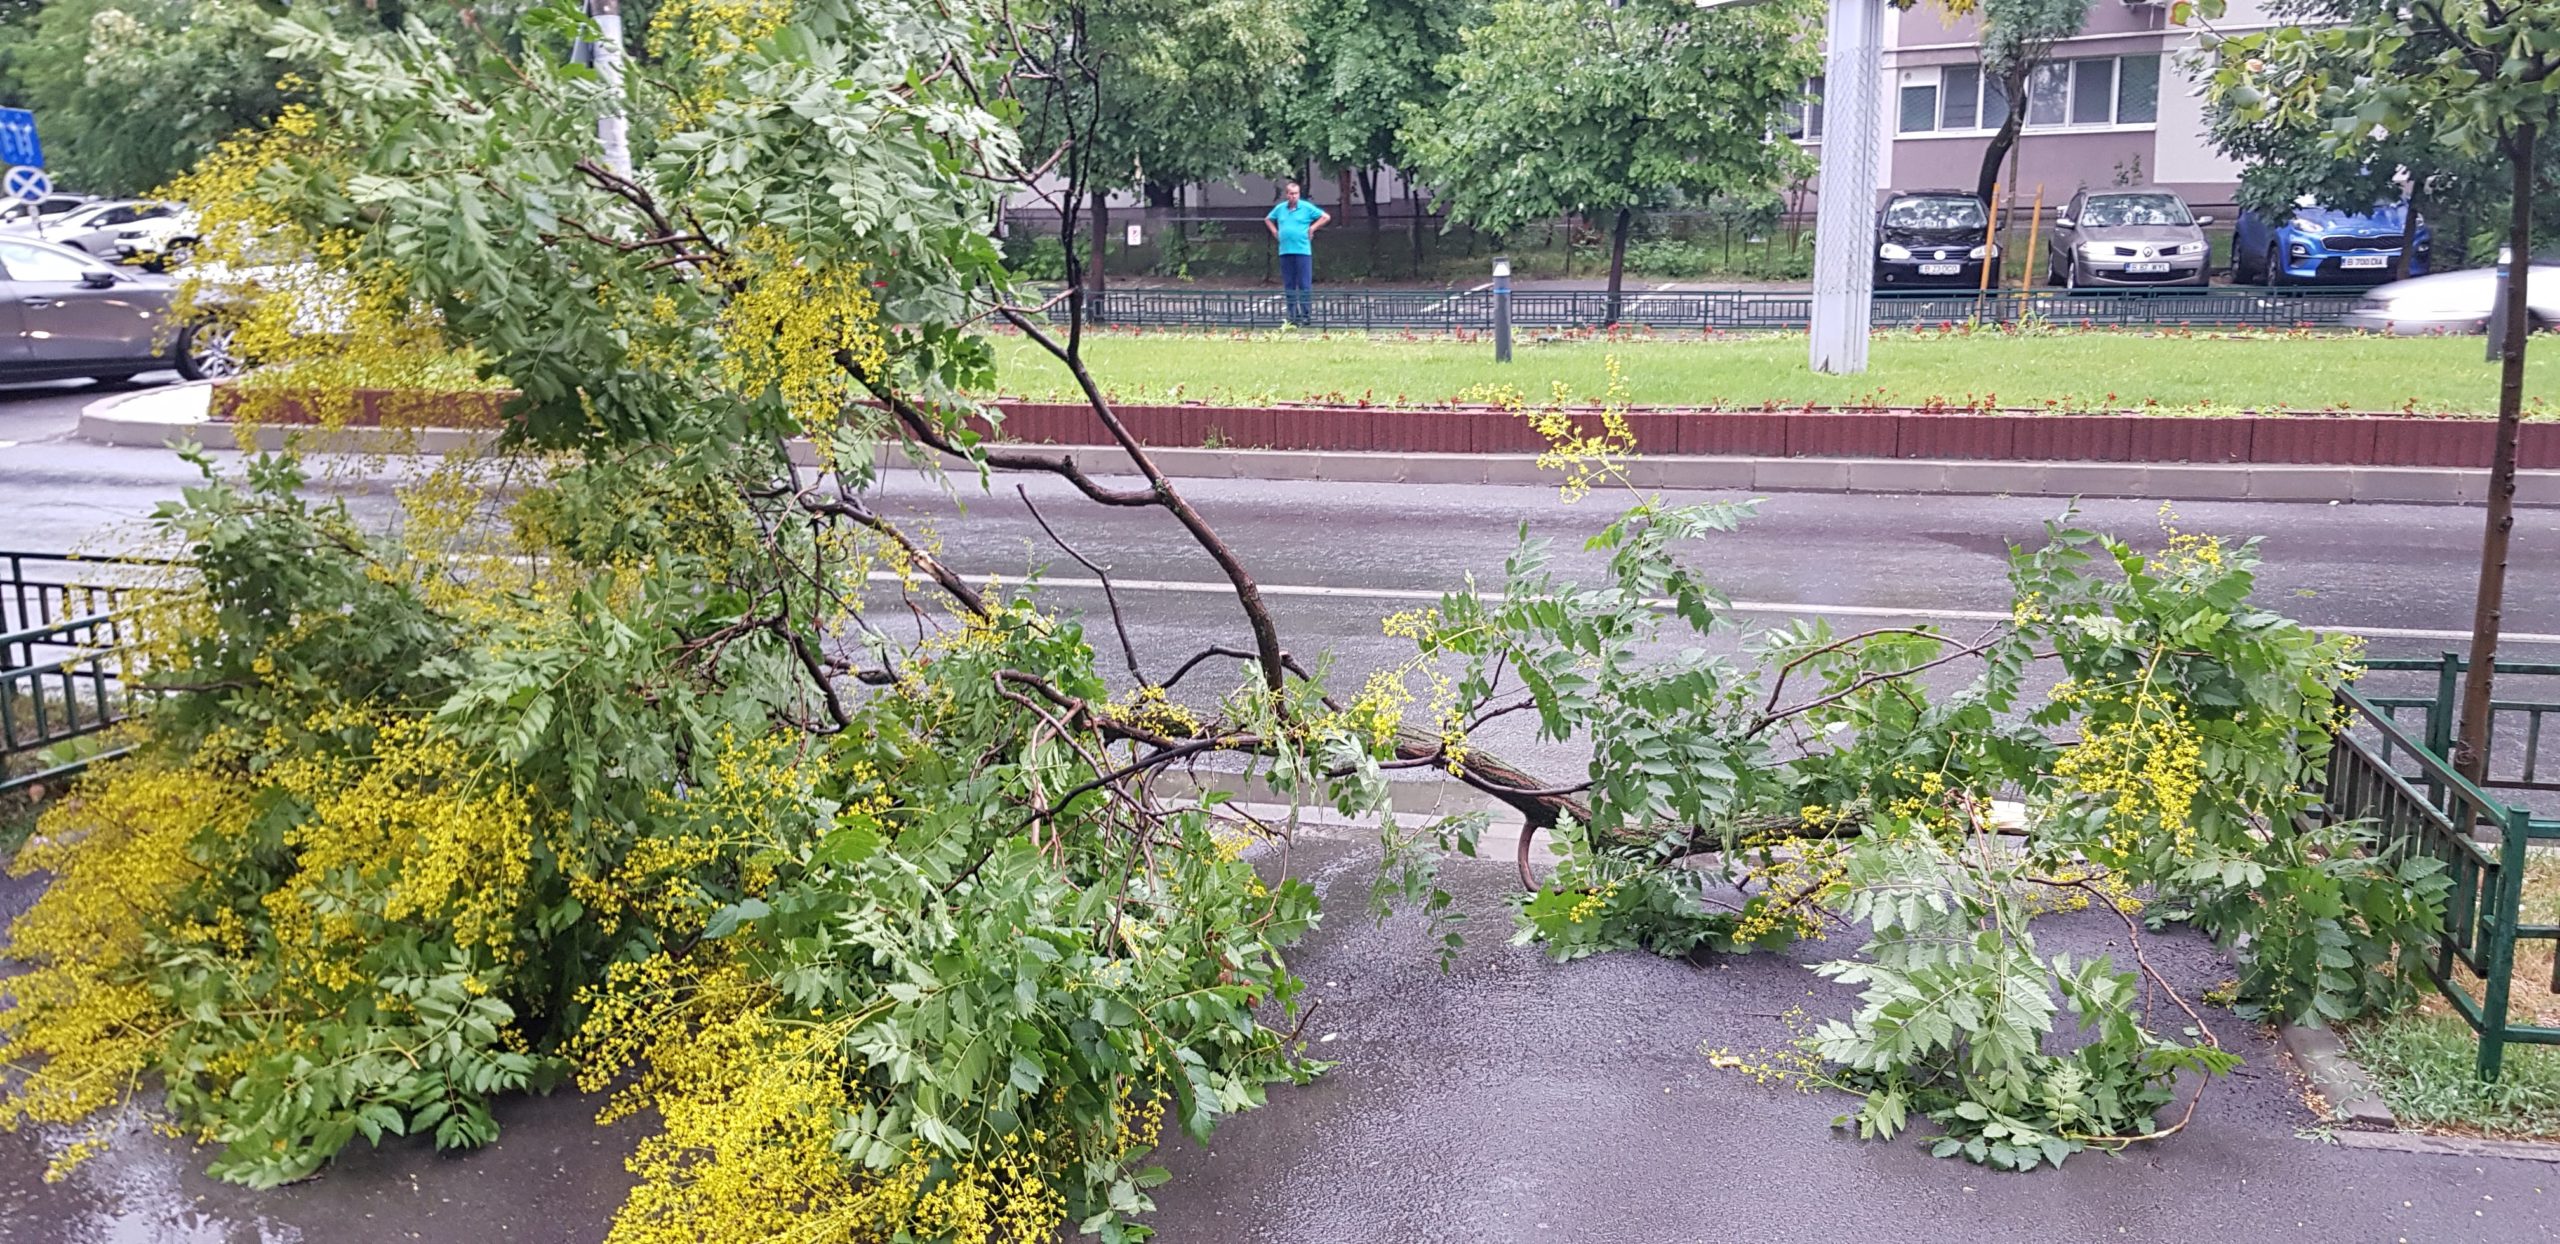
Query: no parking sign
[25,182]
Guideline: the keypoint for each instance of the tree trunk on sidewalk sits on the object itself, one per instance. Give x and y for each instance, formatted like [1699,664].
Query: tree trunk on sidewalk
[2007,137]
[2471,744]
[1369,199]
[1618,259]
[1101,240]
[1413,200]
[2408,236]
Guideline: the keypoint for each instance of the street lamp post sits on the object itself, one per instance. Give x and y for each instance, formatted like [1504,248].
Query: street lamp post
[1844,227]
[1502,309]
[1844,233]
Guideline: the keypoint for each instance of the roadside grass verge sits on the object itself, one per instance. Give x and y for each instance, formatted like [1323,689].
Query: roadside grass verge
[2065,371]
[2422,1060]
[2421,1064]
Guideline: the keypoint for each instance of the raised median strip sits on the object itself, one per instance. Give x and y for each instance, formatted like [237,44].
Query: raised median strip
[160,416]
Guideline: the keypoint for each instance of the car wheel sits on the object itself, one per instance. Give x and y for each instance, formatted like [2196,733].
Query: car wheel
[2078,277]
[2240,274]
[205,353]
[2273,267]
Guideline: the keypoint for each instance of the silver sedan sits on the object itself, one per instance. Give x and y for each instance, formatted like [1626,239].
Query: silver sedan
[2451,302]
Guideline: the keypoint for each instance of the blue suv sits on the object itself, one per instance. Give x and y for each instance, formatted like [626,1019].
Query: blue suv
[2319,244]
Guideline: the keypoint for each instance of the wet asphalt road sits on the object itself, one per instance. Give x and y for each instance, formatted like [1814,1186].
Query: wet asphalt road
[1512,1099]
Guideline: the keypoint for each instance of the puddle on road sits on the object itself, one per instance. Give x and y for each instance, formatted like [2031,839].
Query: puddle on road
[553,1176]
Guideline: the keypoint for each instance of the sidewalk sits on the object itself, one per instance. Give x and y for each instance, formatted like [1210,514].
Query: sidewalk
[156,417]
[1517,1100]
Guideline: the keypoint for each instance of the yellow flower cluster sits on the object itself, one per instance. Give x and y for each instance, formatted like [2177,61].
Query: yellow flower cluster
[415,832]
[793,329]
[2143,758]
[81,1024]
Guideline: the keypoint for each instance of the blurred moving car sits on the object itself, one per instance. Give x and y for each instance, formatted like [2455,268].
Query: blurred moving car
[2319,244]
[2144,236]
[91,227]
[1932,238]
[49,206]
[64,314]
[2453,302]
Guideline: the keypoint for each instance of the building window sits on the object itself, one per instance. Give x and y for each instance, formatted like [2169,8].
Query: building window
[1804,120]
[2047,89]
[1919,107]
[2138,90]
[1963,96]
[1995,103]
[2095,90]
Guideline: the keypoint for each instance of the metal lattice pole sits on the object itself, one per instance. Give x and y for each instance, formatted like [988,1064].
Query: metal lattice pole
[1844,239]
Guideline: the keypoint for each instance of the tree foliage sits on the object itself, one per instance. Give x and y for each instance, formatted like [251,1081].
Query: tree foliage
[1597,109]
[2018,36]
[1158,90]
[686,770]
[1367,63]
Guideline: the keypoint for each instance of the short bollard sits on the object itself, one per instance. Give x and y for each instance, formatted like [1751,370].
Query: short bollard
[1501,309]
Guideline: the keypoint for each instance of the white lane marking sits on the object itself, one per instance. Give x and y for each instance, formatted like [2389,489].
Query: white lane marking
[1193,587]
[8,444]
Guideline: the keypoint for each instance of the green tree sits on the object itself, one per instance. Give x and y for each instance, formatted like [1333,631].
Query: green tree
[1600,109]
[1368,62]
[1133,92]
[2482,85]
[129,93]
[2018,37]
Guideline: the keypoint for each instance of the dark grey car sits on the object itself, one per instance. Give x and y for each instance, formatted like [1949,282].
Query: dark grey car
[2143,236]
[64,314]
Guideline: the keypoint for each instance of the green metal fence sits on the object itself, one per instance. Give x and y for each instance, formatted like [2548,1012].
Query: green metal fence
[1714,310]
[67,630]
[2390,773]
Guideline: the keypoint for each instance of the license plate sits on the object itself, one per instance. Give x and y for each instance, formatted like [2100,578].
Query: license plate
[1940,269]
[2365,261]
[2146,269]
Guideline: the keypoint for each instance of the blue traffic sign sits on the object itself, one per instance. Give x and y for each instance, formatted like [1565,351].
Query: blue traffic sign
[18,141]
[23,182]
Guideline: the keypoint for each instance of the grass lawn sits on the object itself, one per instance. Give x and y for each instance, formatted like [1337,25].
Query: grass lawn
[2195,374]
[2422,1061]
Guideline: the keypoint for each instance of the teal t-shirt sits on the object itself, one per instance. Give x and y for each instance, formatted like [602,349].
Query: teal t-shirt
[1295,223]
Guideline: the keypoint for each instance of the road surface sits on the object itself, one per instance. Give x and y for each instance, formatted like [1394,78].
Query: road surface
[1511,1099]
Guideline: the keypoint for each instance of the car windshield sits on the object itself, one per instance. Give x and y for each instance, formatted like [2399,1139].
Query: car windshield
[1938,212]
[2107,210]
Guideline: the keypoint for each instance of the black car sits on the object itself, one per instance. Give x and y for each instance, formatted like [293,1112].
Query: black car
[1932,239]
[63,314]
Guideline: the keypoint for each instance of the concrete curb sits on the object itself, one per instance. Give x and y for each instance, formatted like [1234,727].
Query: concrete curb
[155,418]
[2451,1146]
[2336,1077]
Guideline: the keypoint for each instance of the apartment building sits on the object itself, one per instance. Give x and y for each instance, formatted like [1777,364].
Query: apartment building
[2118,104]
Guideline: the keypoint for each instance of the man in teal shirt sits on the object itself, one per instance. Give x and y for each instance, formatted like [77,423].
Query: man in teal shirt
[1294,221]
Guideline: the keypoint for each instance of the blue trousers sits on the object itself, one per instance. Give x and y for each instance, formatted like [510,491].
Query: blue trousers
[1298,283]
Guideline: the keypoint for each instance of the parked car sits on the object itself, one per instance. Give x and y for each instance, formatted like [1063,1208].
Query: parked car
[2453,302]
[2143,236]
[1932,238]
[50,205]
[2318,244]
[64,314]
[92,227]
[158,243]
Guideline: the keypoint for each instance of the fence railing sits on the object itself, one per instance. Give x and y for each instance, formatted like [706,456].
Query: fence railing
[67,631]
[2389,774]
[1713,310]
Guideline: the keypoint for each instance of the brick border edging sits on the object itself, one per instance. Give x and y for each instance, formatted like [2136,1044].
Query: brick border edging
[2272,440]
